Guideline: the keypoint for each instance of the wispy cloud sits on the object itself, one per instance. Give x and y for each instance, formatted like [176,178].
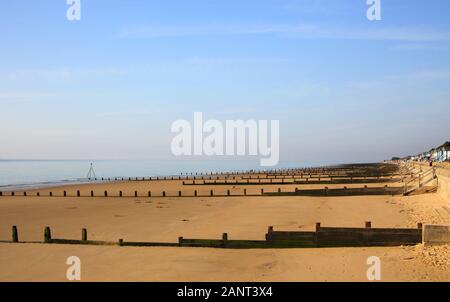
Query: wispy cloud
[25,96]
[327,7]
[395,82]
[200,30]
[63,73]
[31,96]
[420,47]
[301,30]
[422,75]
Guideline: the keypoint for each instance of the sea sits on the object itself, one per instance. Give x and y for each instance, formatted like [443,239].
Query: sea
[20,174]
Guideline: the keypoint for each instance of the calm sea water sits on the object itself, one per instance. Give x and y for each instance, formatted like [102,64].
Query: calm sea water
[38,173]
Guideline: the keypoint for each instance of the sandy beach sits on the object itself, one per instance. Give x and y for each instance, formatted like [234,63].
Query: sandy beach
[165,219]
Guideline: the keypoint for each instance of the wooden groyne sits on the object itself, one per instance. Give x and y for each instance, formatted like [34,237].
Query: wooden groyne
[321,237]
[325,191]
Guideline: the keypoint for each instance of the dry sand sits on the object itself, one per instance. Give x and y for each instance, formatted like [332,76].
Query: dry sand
[158,219]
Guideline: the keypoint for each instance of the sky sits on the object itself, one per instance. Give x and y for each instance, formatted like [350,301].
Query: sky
[110,85]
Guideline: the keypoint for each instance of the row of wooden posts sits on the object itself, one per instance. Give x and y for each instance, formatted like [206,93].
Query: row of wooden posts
[136,194]
[322,236]
[180,193]
[268,181]
[159,178]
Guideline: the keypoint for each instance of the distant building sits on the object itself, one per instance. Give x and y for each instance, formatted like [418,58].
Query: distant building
[439,154]
[443,153]
[434,155]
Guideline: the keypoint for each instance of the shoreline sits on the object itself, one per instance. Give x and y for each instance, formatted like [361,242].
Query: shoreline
[152,219]
[18,174]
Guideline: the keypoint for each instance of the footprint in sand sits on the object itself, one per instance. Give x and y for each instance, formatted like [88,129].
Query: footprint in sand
[268,265]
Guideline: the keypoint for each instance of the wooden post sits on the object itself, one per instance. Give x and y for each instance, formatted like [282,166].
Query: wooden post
[149,193]
[228,192]
[262,191]
[135,194]
[368,224]
[78,193]
[47,235]
[224,239]
[164,193]
[15,235]
[84,234]
[106,193]
[212,193]
[245,192]
[50,194]
[24,193]
[92,193]
[420,226]
[180,241]
[195,193]
[37,194]
[120,194]
[179,193]
[65,194]
[1,193]
[317,226]
[120,242]
[270,229]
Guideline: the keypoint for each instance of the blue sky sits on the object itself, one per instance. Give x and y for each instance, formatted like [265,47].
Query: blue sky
[110,85]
